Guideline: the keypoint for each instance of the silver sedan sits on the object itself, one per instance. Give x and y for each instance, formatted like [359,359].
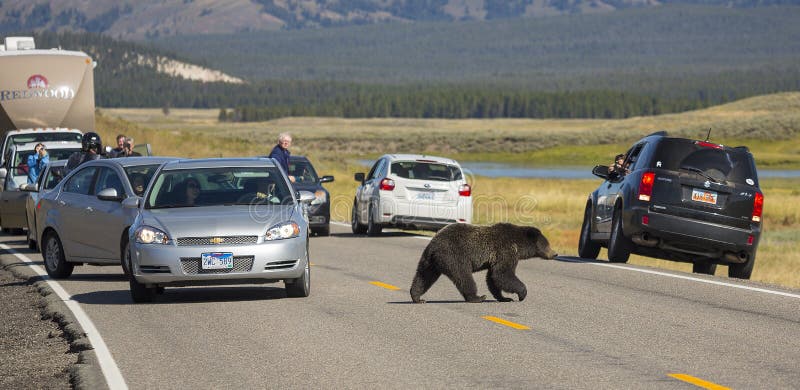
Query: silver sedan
[82,220]
[219,221]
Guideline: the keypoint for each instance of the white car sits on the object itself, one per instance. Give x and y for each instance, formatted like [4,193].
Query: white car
[411,190]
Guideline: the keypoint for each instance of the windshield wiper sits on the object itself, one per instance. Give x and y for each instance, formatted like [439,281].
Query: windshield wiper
[701,173]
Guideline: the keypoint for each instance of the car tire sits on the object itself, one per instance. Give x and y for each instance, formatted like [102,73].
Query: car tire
[31,244]
[704,267]
[587,248]
[300,287]
[373,228]
[743,270]
[55,263]
[618,246]
[126,258]
[323,231]
[357,227]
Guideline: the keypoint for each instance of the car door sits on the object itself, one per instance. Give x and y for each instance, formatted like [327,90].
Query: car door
[107,219]
[369,190]
[69,214]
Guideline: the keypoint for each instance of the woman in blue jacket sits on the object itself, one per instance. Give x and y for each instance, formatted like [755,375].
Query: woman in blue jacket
[37,162]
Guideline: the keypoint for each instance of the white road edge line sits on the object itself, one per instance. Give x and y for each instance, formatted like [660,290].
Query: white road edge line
[693,279]
[108,366]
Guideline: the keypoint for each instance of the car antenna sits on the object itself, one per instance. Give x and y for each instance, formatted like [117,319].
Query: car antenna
[708,135]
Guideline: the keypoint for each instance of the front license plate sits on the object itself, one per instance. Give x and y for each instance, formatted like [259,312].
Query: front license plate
[703,196]
[217,260]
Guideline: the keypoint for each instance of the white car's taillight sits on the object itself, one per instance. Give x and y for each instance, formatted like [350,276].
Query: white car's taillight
[464,190]
[386,185]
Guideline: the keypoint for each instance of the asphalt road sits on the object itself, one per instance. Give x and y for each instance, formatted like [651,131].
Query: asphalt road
[584,325]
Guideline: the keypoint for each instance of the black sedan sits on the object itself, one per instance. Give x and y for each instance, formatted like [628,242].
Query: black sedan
[306,179]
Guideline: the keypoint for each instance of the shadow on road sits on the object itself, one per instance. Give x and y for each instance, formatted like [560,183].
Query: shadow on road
[384,235]
[100,277]
[186,295]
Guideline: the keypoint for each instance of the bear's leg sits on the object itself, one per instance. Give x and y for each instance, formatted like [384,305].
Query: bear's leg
[465,284]
[496,292]
[426,275]
[505,280]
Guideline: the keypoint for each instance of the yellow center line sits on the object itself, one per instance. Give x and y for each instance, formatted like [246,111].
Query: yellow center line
[384,285]
[698,382]
[506,323]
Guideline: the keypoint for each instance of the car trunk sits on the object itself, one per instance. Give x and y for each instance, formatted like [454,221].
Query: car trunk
[432,188]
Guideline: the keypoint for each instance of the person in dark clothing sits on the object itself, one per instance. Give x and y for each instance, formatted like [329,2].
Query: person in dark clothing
[91,145]
[127,151]
[281,153]
[116,152]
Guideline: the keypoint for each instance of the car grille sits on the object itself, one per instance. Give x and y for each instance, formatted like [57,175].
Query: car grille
[225,240]
[191,266]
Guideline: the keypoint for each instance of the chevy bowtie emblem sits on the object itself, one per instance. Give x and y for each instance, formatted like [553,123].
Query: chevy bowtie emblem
[216,240]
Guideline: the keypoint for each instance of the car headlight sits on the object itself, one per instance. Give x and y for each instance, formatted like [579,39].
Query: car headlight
[151,235]
[320,197]
[282,231]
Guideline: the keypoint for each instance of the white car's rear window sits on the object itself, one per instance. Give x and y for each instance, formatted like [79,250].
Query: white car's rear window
[418,170]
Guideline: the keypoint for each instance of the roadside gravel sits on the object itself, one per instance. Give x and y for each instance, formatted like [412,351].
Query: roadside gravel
[34,353]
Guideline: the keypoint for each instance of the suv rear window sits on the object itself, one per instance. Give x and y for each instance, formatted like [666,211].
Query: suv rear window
[724,164]
[426,171]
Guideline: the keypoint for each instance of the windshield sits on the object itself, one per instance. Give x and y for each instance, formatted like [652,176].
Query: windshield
[19,167]
[44,137]
[426,171]
[219,186]
[715,164]
[303,172]
[139,176]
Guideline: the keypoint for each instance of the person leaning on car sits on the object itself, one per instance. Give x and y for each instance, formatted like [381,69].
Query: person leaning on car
[281,153]
[617,168]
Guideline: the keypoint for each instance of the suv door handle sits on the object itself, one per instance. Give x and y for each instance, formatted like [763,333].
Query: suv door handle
[62,203]
[89,209]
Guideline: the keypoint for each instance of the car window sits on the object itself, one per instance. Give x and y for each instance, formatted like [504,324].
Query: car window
[418,170]
[719,163]
[303,172]
[140,175]
[108,178]
[81,181]
[53,177]
[377,169]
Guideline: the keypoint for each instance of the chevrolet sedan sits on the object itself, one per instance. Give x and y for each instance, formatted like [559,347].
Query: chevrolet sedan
[219,221]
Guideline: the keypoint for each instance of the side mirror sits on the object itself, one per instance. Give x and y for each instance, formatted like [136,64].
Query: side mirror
[305,196]
[109,194]
[601,171]
[359,177]
[30,187]
[131,203]
[326,179]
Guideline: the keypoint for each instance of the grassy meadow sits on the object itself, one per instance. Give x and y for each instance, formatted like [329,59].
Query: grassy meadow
[769,125]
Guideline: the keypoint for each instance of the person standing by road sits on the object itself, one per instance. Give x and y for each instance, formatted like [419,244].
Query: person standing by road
[118,151]
[37,162]
[281,153]
[91,146]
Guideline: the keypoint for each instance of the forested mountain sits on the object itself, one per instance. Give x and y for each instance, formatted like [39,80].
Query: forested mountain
[152,18]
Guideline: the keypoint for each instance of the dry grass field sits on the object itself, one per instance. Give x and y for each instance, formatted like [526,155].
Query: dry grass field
[769,125]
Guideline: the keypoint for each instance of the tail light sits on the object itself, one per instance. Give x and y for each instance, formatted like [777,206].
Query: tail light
[464,190]
[708,145]
[386,185]
[646,186]
[758,207]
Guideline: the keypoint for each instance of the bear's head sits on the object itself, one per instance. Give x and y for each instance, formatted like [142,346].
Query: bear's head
[537,244]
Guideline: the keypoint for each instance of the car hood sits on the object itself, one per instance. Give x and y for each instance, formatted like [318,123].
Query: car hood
[217,220]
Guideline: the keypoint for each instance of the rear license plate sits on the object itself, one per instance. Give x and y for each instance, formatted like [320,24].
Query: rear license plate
[425,195]
[217,260]
[703,196]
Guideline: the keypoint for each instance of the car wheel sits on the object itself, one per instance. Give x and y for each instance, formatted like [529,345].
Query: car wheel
[354,224]
[744,270]
[300,287]
[126,258]
[587,248]
[373,228]
[704,267]
[32,244]
[55,263]
[323,231]
[618,246]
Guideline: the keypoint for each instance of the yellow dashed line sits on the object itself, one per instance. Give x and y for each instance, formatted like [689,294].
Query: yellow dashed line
[506,323]
[384,285]
[698,382]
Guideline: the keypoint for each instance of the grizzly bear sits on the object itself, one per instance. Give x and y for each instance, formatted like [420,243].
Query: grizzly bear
[458,250]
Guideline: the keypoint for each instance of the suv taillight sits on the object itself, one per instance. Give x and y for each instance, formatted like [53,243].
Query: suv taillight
[708,144]
[646,186]
[758,207]
[386,185]
[464,190]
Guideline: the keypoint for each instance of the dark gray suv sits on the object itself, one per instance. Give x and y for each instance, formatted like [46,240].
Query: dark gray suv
[677,199]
